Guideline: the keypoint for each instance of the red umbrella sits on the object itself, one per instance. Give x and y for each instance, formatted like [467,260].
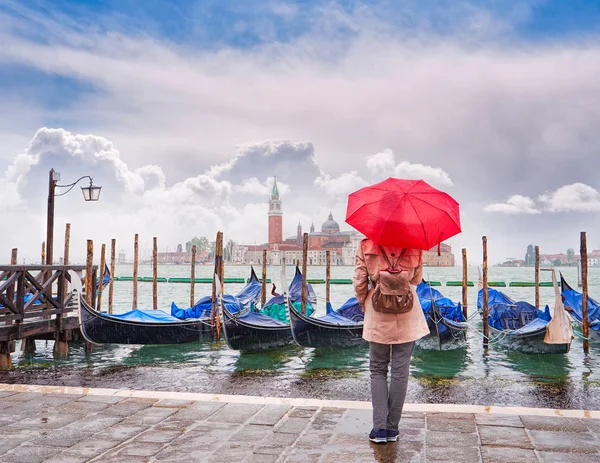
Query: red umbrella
[407,213]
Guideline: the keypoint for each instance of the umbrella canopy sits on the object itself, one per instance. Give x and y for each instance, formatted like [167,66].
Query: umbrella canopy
[407,213]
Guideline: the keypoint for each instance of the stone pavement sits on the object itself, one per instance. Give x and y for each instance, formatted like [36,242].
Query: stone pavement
[73,425]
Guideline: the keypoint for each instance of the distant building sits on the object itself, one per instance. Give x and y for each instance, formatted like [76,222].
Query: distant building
[445,259]
[342,245]
[181,257]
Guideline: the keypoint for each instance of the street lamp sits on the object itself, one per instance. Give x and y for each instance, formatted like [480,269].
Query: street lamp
[90,193]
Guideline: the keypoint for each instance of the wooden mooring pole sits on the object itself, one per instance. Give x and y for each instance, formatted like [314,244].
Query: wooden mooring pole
[485,295]
[154,273]
[193,276]
[66,255]
[10,292]
[113,250]
[88,272]
[136,249]
[101,277]
[221,273]
[304,270]
[465,284]
[537,276]
[263,293]
[43,252]
[327,277]
[584,285]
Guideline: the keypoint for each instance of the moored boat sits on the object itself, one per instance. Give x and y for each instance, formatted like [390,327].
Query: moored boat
[445,319]
[138,327]
[250,330]
[573,301]
[331,330]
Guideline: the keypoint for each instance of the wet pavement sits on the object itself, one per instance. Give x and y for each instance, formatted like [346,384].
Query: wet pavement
[73,425]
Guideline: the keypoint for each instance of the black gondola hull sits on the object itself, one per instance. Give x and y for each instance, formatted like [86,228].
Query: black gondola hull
[594,336]
[249,337]
[531,344]
[310,332]
[451,338]
[105,330]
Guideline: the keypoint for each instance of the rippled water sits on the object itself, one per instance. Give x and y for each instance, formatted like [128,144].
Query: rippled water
[468,363]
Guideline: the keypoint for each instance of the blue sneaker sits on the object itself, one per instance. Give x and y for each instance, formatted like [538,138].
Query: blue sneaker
[392,435]
[379,436]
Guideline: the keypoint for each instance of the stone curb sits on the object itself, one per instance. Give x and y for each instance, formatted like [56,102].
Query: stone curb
[297,402]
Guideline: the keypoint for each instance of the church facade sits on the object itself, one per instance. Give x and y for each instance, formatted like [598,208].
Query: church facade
[341,245]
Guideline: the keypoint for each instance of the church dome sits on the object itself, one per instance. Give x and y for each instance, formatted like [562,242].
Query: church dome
[330,225]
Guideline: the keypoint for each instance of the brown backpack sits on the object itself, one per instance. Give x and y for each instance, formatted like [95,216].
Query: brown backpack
[392,292]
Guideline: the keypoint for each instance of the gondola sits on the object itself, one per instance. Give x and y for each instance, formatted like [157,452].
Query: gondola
[157,326]
[241,301]
[137,327]
[518,325]
[251,331]
[445,319]
[331,330]
[572,301]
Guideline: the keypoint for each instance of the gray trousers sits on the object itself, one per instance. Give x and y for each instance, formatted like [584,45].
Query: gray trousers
[389,400]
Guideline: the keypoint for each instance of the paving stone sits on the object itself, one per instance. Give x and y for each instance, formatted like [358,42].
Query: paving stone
[504,436]
[138,449]
[172,424]
[173,403]
[261,458]
[149,416]
[411,423]
[126,409]
[62,437]
[204,439]
[355,422]
[126,459]
[499,420]
[451,416]
[107,399]
[292,425]
[161,437]
[85,407]
[410,435]
[140,400]
[450,439]
[507,455]
[235,413]
[348,457]
[443,423]
[121,432]
[551,423]
[313,440]
[228,457]
[7,444]
[576,442]
[251,433]
[299,456]
[29,453]
[50,420]
[325,421]
[21,397]
[302,412]
[67,458]
[275,443]
[95,423]
[92,447]
[198,411]
[4,394]
[270,415]
[564,457]
[453,454]
[178,455]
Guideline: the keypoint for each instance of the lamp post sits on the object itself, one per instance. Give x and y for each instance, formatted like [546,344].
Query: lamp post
[90,193]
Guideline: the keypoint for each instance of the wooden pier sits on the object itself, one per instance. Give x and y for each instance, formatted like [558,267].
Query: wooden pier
[36,303]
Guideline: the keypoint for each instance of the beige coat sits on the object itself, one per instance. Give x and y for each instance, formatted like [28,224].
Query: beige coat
[384,328]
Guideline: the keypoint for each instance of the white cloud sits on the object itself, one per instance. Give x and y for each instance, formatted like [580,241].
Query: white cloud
[255,187]
[384,164]
[516,204]
[342,185]
[577,197]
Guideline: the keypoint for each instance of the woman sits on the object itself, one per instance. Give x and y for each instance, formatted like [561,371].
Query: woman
[392,332]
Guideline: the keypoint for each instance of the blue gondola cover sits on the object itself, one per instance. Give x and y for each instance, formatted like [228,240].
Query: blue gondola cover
[574,300]
[148,316]
[451,311]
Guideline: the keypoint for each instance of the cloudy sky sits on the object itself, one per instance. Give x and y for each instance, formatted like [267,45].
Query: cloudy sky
[185,110]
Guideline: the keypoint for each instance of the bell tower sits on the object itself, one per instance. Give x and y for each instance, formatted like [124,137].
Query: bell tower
[275,217]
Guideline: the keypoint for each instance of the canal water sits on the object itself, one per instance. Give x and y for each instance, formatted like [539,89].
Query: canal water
[470,375]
